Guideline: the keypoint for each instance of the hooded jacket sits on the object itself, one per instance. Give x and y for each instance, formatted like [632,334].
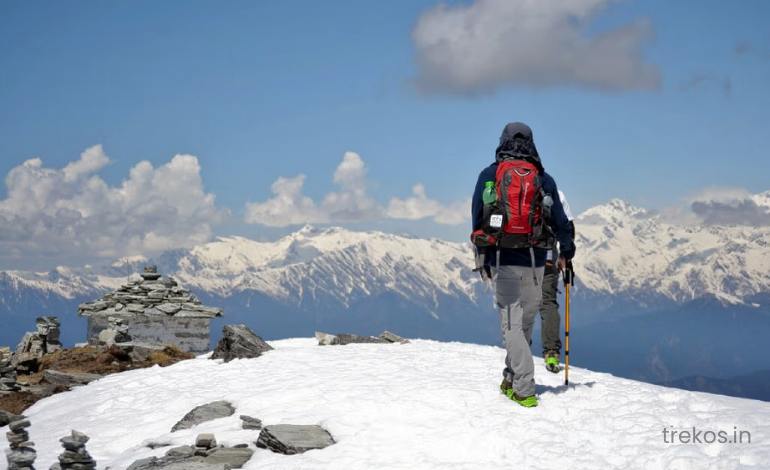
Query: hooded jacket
[517,141]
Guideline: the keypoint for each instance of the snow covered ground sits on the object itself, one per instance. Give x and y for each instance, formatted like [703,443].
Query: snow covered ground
[422,405]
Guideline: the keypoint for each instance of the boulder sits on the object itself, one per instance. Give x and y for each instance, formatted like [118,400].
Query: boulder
[234,457]
[68,379]
[206,440]
[247,422]
[293,439]
[203,413]
[392,337]
[239,342]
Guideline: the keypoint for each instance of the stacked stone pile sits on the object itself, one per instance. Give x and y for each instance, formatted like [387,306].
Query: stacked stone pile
[75,455]
[35,344]
[117,333]
[7,372]
[21,455]
[153,294]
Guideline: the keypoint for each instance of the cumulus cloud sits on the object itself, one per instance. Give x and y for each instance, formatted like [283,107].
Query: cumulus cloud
[72,211]
[488,44]
[731,206]
[349,202]
[420,206]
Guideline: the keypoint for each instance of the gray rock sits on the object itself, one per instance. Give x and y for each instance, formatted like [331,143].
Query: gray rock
[234,457]
[6,417]
[326,339]
[247,422]
[19,425]
[181,452]
[169,308]
[206,440]
[293,439]
[392,337]
[20,458]
[69,379]
[239,342]
[203,413]
[16,438]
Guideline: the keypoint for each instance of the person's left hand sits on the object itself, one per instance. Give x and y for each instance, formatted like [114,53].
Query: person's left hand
[562,264]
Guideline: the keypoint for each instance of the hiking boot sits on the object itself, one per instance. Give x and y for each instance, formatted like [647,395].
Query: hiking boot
[526,402]
[551,361]
[505,386]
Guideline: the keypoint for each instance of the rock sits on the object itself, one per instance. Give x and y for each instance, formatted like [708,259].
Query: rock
[21,458]
[392,337]
[293,439]
[69,379]
[7,417]
[181,452]
[107,337]
[247,422]
[140,352]
[19,425]
[239,342]
[326,339]
[16,438]
[206,440]
[203,413]
[169,308]
[150,273]
[234,457]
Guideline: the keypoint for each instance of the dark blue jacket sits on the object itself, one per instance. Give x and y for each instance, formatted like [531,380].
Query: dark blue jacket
[521,257]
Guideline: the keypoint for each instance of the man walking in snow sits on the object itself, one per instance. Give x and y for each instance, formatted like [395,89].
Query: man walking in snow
[515,206]
[550,333]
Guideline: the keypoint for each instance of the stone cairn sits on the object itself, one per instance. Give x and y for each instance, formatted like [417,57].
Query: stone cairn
[75,455]
[153,294]
[21,454]
[35,344]
[7,372]
[116,333]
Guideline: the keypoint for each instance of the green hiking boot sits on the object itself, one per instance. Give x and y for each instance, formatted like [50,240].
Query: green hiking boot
[505,386]
[526,402]
[552,361]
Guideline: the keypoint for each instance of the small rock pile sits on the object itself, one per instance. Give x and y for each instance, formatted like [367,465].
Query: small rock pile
[35,344]
[21,454]
[75,455]
[7,372]
[116,333]
[150,295]
[326,339]
[239,342]
[247,422]
[204,455]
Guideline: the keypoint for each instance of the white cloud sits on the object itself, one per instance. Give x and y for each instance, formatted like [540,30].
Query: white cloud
[420,206]
[73,212]
[489,44]
[349,203]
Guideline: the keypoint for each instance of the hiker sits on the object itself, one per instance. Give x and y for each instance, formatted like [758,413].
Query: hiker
[515,208]
[550,333]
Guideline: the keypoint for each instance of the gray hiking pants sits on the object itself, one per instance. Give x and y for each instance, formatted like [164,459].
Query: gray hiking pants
[550,333]
[518,300]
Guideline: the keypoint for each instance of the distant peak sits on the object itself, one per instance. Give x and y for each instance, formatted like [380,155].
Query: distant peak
[615,208]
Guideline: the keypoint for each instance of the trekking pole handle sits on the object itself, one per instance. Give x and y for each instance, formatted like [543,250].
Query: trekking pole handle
[569,274]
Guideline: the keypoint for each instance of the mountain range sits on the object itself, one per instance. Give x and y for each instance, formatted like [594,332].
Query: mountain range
[637,272]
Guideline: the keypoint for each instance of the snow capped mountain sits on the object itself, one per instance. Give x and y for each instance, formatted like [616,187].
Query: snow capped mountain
[628,251]
[421,405]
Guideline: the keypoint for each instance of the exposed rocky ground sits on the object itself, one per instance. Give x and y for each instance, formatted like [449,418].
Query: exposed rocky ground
[40,366]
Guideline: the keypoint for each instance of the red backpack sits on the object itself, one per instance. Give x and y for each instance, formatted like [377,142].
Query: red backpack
[516,218]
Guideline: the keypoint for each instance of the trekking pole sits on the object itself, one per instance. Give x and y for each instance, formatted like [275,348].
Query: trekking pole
[569,278]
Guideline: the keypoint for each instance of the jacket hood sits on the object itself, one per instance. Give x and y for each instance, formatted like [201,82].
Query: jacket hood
[516,141]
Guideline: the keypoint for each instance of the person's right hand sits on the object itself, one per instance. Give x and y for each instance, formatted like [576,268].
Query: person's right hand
[562,264]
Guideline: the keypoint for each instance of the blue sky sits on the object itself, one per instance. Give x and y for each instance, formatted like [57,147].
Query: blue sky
[259,90]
